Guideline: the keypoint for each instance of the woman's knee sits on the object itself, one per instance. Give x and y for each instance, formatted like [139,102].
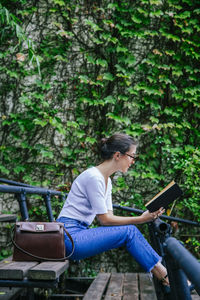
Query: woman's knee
[132,231]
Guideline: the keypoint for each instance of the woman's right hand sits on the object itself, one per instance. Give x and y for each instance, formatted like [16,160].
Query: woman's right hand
[147,216]
[108,219]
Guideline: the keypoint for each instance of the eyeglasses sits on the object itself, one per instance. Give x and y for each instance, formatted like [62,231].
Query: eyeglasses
[132,156]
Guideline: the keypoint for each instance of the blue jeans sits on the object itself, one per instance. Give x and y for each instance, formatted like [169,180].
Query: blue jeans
[91,241]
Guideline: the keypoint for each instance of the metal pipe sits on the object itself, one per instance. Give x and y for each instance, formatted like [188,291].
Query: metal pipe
[21,198]
[43,191]
[47,199]
[177,279]
[139,211]
[185,259]
[158,231]
[29,283]
[27,190]
[11,182]
[161,227]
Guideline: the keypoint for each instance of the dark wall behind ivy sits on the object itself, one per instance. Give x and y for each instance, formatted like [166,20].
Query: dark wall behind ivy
[75,71]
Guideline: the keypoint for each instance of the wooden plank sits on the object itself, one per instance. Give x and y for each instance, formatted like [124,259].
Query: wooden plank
[114,290]
[146,288]
[194,295]
[67,296]
[7,218]
[9,293]
[130,288]
[13,269]
[97,287]
[48,270]
[7,259]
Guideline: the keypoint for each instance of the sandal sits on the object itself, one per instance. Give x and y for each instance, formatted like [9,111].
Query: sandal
[165,284]
[164,280]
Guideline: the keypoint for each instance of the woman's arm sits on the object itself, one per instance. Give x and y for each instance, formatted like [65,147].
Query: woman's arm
[109,219]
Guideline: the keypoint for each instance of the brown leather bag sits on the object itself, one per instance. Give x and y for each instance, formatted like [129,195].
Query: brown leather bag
[40,241]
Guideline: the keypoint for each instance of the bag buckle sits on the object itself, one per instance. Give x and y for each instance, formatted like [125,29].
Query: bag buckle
[39,227]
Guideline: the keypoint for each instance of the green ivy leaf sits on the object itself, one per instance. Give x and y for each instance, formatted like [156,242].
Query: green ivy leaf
[4,170]
[90,140]
[136,19]
[102,62]
[42,123]
[94,26]
[108,76]
[19,169]
[46,153]
[109,99]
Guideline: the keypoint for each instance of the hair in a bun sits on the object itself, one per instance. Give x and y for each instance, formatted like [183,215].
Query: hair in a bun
[104,140]
[117,142]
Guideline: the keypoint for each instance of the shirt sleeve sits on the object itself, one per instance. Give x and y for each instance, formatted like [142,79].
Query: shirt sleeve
[95,190]
[109,204]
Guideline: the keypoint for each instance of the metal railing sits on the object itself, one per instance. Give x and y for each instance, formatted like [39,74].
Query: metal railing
[178,261]
[139,211]
[21,191]
[178,258]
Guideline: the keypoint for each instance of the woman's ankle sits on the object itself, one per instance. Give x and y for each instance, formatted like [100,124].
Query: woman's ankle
[160,272]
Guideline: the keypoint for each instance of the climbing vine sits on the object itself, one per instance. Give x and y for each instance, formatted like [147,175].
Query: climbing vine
[98,67]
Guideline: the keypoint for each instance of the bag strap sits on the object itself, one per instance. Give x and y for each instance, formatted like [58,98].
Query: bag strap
[44,258]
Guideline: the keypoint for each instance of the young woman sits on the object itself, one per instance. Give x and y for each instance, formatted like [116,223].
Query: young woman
[90,197]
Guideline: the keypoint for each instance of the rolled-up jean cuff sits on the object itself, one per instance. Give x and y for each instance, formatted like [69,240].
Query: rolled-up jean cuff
[159,261]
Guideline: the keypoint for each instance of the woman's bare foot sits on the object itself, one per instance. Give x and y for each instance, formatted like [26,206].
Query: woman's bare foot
[160,272]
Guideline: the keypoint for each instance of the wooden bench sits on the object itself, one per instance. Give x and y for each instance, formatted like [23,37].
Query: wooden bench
[7,293]
[121,286]
[30,275]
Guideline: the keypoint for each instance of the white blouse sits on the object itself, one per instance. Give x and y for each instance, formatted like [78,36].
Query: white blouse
[88,197]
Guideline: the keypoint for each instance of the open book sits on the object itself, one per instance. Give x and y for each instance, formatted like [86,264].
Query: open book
[170,193]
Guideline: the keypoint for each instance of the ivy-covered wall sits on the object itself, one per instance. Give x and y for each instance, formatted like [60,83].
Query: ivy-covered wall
[75,71]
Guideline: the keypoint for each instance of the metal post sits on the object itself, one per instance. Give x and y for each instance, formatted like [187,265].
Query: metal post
[159,231]
[22,204]
[62,197]
[185,260]
[179,262]
[30,293]
[47,199]
[177,279]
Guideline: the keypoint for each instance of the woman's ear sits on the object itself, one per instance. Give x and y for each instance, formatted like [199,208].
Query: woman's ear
[116,155]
